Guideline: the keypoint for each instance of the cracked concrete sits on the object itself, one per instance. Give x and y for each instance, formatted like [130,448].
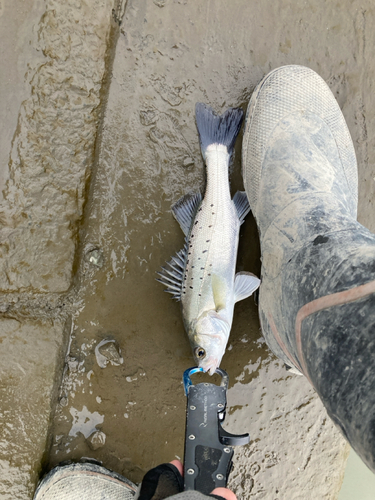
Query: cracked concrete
[31,360]
[98,140]
[52,151]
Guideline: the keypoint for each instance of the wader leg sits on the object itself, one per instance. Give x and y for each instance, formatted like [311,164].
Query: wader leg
[317,296]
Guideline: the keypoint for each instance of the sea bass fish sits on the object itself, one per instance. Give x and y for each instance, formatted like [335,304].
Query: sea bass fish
[203,274]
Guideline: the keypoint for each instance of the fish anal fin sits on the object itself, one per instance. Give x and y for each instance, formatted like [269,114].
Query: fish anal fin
[242,205]
[185,208]
[245,284]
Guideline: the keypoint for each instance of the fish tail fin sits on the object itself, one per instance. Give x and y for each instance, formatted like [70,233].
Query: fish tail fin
[217,129]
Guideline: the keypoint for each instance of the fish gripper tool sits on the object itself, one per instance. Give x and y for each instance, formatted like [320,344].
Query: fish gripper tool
[208,447]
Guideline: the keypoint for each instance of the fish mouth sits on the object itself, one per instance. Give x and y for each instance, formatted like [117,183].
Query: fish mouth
[209,365]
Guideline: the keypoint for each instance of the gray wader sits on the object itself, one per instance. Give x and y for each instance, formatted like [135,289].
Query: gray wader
[317,296]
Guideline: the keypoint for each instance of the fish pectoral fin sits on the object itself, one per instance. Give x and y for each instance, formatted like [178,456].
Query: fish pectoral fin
[242,205]
[184,210]
[219,290]
[212,318]
[244,285]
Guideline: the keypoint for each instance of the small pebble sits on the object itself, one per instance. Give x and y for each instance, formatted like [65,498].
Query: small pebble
[107,351]
[95,257]
[188,162]
[96,440]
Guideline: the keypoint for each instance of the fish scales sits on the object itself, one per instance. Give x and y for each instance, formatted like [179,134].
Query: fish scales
[202,275]
[213,239]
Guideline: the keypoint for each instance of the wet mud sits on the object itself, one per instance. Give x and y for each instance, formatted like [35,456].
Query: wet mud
[85,230]
[130,413]
[133,392]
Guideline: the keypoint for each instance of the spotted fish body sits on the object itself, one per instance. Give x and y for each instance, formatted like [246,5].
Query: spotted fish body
[202,275]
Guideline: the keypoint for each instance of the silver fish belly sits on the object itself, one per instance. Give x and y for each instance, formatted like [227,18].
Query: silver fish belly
[212,243]
[202,275]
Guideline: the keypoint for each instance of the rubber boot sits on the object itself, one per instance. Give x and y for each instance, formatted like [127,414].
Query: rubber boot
[84,481]
[317,295]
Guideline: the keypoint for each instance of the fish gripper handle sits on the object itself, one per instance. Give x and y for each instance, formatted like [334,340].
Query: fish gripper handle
[208,447]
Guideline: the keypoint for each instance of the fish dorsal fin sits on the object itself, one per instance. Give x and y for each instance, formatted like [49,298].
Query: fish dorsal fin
[242,205]
[244,285]
[185,208]
[172,276]
[219,290]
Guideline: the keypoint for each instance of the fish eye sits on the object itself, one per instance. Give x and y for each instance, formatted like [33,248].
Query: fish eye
[200,352]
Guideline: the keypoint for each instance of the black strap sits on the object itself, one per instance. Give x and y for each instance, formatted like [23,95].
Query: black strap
[161,482]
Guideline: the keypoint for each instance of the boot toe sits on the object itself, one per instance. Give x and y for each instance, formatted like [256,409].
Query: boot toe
[284,91]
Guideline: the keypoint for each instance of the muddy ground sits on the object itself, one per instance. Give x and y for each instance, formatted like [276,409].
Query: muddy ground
[98,145]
